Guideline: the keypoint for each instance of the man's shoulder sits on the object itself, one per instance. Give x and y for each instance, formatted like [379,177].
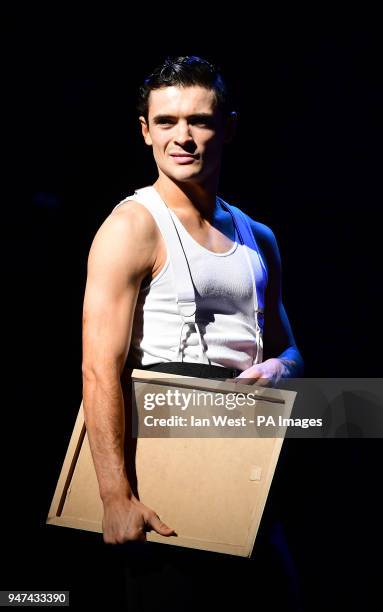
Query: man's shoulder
[129,207]
[132,215]
[263,234]
[128,225]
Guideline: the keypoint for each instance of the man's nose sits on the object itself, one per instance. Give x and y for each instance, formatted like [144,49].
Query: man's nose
[183,133]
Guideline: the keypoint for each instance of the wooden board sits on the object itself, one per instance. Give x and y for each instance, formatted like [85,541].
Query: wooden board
[212,491]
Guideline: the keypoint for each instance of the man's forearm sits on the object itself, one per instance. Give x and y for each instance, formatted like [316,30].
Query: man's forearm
[105,423]
[292,362]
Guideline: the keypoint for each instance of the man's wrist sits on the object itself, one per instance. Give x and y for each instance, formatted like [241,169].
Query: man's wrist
[116,492]
[288,367]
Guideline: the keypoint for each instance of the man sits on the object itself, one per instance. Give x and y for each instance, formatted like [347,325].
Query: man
[133,300]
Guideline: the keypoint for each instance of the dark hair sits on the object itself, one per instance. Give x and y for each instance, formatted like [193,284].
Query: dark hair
[183,72]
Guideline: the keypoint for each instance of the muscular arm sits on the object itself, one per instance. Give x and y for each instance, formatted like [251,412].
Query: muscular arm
[278,338]
[281,355]
[120,257]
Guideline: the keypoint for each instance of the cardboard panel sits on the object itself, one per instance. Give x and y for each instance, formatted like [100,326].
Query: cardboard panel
[212,491]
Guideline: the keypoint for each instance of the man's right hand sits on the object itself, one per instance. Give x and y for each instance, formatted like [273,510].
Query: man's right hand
[126,519]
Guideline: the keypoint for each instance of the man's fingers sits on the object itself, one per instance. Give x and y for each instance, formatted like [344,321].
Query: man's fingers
[263,381]
[137,534]
[159,526]
[246,380]
[141,536]
[250,376]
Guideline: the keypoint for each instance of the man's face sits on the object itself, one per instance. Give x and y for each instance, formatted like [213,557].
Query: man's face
[186,131]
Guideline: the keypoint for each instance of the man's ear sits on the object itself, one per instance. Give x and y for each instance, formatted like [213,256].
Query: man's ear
[145,130]
[230,127]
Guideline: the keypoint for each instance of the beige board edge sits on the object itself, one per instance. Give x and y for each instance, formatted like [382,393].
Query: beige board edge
[214,385]
[260,507]
[69,456]
[231,549]
[75,523]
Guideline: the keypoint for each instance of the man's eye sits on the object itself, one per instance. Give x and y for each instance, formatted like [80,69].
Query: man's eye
[203,123]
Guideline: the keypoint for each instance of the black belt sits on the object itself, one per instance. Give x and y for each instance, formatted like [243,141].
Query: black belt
[197,370]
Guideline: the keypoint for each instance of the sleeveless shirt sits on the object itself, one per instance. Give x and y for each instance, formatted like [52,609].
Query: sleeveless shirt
[228,288]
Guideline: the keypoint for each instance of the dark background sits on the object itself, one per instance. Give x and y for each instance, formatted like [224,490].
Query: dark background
[306,161]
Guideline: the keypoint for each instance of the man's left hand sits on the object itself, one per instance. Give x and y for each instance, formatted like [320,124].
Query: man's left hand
[268,372]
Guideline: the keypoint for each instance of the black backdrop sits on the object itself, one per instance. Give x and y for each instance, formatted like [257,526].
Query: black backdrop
[306,161]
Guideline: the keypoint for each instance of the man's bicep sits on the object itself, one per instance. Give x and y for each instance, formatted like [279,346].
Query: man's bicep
[107,324]
[278,333]
[114,275]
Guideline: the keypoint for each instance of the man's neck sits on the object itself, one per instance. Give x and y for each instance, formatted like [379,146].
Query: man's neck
[187,198]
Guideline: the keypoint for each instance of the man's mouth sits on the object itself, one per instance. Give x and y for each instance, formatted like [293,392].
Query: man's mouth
[183,158]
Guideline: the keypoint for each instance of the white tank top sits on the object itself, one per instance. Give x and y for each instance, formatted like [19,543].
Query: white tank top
[227,293]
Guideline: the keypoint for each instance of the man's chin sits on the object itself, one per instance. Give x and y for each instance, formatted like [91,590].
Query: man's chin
[185,177]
